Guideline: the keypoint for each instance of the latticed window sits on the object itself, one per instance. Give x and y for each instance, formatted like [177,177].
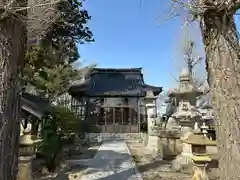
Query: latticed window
[78,107]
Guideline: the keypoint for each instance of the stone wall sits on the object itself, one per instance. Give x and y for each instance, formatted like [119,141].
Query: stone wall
[171,146]
[99,137]
[169,142]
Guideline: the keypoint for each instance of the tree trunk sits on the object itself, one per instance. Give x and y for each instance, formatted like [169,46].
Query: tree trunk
[222,64]
[12,48]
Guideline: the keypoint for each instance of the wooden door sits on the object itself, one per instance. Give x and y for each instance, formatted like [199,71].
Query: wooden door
[118,120]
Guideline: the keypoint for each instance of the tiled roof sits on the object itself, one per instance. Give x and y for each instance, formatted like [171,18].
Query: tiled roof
[113,82]
[35,105]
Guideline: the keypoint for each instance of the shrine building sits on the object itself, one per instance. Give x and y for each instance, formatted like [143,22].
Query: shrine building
[112,99]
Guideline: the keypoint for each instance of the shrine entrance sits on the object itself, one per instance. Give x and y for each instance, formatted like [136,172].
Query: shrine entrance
[121,119]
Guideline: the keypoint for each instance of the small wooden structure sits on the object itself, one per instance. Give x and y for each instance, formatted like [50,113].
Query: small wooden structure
[33,109]
[112,99]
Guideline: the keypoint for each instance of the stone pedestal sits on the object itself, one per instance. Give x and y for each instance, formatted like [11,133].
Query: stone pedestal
[150,116]
[172,124]
[144,138]
[186,131]
[25,168]
[153,143]
[200,164]
[182,161]
[155,146]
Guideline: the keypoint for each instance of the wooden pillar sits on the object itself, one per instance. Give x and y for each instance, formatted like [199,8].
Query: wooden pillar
[81,104]
[114,119]
[86,113]
[99,117]
[122,119]
[138,115]
[34,124]
[72,104]
[105,118]
[130,117]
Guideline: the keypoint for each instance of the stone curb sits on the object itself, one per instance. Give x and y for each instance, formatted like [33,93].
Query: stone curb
[137,173]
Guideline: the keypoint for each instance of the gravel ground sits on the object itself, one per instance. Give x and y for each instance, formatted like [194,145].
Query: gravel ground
[153,169]
[65,173]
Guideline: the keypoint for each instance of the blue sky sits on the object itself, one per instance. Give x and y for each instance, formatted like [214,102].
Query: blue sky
[132,33]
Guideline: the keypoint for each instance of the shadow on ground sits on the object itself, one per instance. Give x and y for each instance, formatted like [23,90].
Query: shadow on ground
[88,167]
[108,162]
[111,161]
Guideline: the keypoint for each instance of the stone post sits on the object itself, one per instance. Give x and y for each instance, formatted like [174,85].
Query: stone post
[153,140]
[150,116]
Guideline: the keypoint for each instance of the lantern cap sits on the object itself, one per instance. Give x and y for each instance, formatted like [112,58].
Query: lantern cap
[185,75]
[28,140]
[197,139]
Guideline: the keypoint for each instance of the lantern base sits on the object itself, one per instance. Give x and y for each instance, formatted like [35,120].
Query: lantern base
[25,168]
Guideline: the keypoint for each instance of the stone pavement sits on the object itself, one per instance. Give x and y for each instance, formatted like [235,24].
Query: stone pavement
[113,161]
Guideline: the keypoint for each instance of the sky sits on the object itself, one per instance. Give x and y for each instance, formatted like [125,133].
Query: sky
[137,33]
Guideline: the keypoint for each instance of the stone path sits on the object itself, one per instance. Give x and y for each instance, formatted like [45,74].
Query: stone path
[113,161]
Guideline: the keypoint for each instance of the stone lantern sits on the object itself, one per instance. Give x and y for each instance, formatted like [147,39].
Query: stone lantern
[186,114]
[186,96]
[27,147]
[208,127]
[198,153]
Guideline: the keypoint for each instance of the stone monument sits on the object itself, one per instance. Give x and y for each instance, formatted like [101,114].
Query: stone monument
[186,114]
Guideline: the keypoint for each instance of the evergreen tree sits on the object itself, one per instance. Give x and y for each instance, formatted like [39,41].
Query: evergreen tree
[48,64]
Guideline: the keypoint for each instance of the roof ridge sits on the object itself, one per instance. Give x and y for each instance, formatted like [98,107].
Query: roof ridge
[116,70]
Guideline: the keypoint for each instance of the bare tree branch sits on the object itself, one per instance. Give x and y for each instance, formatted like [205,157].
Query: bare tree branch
[173,77]
[41,14]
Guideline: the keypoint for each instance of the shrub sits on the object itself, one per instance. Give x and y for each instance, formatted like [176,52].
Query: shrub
[51,146]
[58,130]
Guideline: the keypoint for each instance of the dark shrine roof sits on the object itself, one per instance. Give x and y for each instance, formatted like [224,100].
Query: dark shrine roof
[35,104]
[113,83]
